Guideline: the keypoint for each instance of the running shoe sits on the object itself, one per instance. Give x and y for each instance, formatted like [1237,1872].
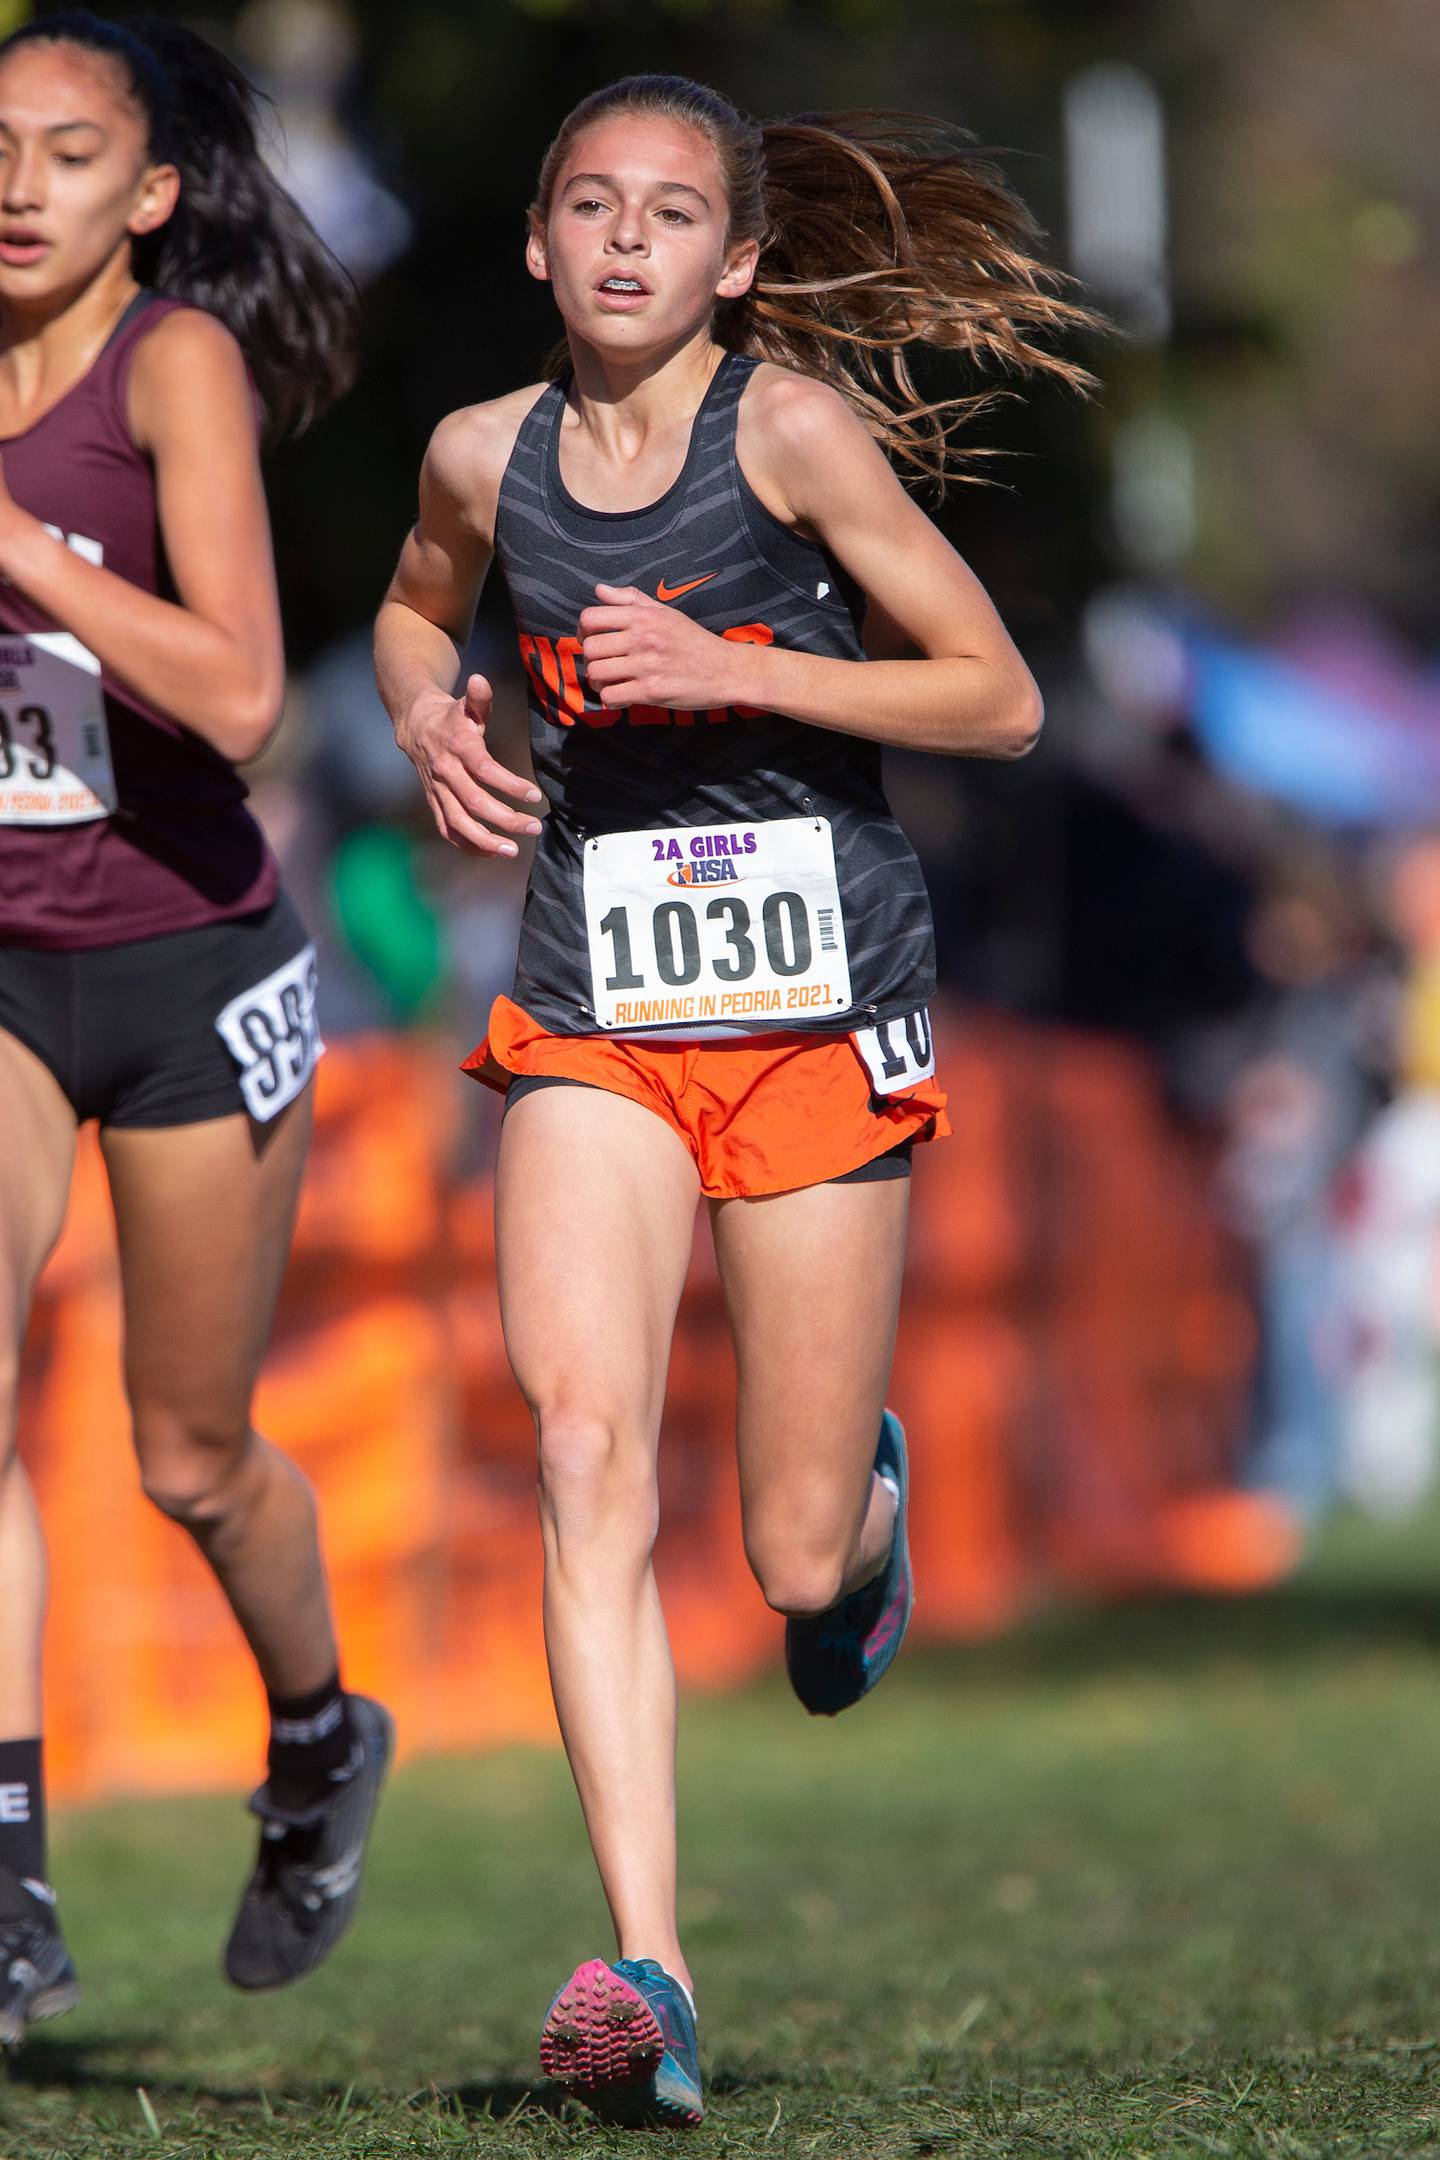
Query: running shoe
[306,1885]
[622,2039]
[37,1979]
[837,1656]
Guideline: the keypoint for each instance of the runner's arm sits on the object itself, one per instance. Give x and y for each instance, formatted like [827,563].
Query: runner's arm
[420,633]
[968,694]
[213,658]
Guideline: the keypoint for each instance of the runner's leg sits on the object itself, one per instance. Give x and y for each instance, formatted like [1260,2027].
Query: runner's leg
[594,1210]
[37,1155]
[812,1283]
[37,1152]
[204,1214]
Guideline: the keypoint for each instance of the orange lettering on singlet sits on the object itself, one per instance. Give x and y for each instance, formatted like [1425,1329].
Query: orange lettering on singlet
[545,676]
[567,652]
[555,676]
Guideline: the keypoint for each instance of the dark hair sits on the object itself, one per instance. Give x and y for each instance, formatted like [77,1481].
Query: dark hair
[237,244]
[878,232]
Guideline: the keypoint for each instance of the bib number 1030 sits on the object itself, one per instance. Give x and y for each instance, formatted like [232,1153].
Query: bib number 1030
[715,924]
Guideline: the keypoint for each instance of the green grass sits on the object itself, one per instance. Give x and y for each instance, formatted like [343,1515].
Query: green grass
[1161,1880]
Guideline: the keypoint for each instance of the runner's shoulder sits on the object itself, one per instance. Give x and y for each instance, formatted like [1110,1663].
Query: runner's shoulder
[471,448]
[796,412]
[185,351]
[791,428]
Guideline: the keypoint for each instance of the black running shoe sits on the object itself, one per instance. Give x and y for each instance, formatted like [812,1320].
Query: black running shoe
[37,1979]
[306,1885]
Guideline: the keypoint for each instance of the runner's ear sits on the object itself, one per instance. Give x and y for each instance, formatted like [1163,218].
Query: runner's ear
[738,275]
[537,260]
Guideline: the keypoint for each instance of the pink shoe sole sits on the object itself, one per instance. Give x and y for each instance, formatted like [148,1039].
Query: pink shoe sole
[600,2033]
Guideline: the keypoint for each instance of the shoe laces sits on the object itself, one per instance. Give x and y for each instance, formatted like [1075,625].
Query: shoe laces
[22,1942]
[287,1852]
[665,1996]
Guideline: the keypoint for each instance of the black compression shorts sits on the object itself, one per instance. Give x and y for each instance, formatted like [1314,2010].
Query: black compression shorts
[133,1033]
[894,1163]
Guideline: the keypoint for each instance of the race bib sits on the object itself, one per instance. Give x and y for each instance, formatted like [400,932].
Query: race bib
[54,745]
[899,1053]
[729,923]
[273,1036]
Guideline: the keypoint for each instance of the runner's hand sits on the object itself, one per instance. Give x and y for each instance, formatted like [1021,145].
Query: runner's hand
[444,739]
[638,652]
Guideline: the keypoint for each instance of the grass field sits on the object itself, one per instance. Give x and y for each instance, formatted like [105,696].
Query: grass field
[1164,1880]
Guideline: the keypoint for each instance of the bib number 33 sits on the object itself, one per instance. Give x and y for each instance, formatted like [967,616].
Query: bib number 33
[54,745]
[720,923]
[272,1033]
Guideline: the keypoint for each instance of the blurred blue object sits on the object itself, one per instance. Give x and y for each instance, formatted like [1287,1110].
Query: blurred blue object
[1333,726]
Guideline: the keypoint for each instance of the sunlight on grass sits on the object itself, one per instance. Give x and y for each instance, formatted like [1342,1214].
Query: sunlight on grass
[1147,1881]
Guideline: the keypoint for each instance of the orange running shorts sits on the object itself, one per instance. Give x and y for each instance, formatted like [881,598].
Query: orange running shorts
[762,1114]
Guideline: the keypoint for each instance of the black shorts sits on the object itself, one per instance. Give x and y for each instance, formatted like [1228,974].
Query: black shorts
[172,1030]
[894,1163]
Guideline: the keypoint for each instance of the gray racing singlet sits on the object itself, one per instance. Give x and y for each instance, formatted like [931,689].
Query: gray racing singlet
[727,871]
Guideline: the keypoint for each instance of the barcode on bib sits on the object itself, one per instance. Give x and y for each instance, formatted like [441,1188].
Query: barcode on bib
[272,1033]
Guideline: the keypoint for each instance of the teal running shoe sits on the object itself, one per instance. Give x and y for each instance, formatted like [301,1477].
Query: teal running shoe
[837,1656]
[622,2039]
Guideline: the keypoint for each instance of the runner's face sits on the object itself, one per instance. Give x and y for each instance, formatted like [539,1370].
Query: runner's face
[636,244]
[75,177]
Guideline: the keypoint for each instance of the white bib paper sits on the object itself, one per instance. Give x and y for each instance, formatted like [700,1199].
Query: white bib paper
[54,745]
[899,1053]
[272,1033]
[726,923]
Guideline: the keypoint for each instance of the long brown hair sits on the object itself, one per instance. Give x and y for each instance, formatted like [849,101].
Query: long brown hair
[237,245]
[878,232]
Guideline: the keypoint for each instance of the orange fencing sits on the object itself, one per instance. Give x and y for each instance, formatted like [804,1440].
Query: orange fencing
[1071,1363]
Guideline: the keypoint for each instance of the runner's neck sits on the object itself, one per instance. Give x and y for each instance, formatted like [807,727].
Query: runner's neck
[623,408]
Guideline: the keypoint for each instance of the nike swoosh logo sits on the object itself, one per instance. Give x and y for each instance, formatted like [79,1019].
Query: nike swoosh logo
[673,592]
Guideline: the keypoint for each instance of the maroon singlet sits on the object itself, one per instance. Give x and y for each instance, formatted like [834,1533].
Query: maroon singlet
[180,850]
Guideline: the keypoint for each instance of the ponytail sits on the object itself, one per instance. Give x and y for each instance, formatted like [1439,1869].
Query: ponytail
[237,243]
[878,232]
[887,232]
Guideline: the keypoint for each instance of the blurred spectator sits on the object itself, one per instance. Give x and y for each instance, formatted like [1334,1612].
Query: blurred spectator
[1308,1082]
[304,52]
[1392,1283]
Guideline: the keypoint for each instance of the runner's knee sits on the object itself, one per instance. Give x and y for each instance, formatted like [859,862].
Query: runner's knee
[9,1404]
[194,1469]
[597,1481]
[796,1580]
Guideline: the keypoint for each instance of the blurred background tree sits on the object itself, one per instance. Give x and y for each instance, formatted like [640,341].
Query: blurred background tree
[1204,895]
[1299,375]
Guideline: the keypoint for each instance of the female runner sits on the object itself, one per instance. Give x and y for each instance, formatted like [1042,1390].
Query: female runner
[152,975]
[726,951]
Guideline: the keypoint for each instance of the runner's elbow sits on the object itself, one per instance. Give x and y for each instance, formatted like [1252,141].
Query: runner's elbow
[1020,720]
[246,721]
